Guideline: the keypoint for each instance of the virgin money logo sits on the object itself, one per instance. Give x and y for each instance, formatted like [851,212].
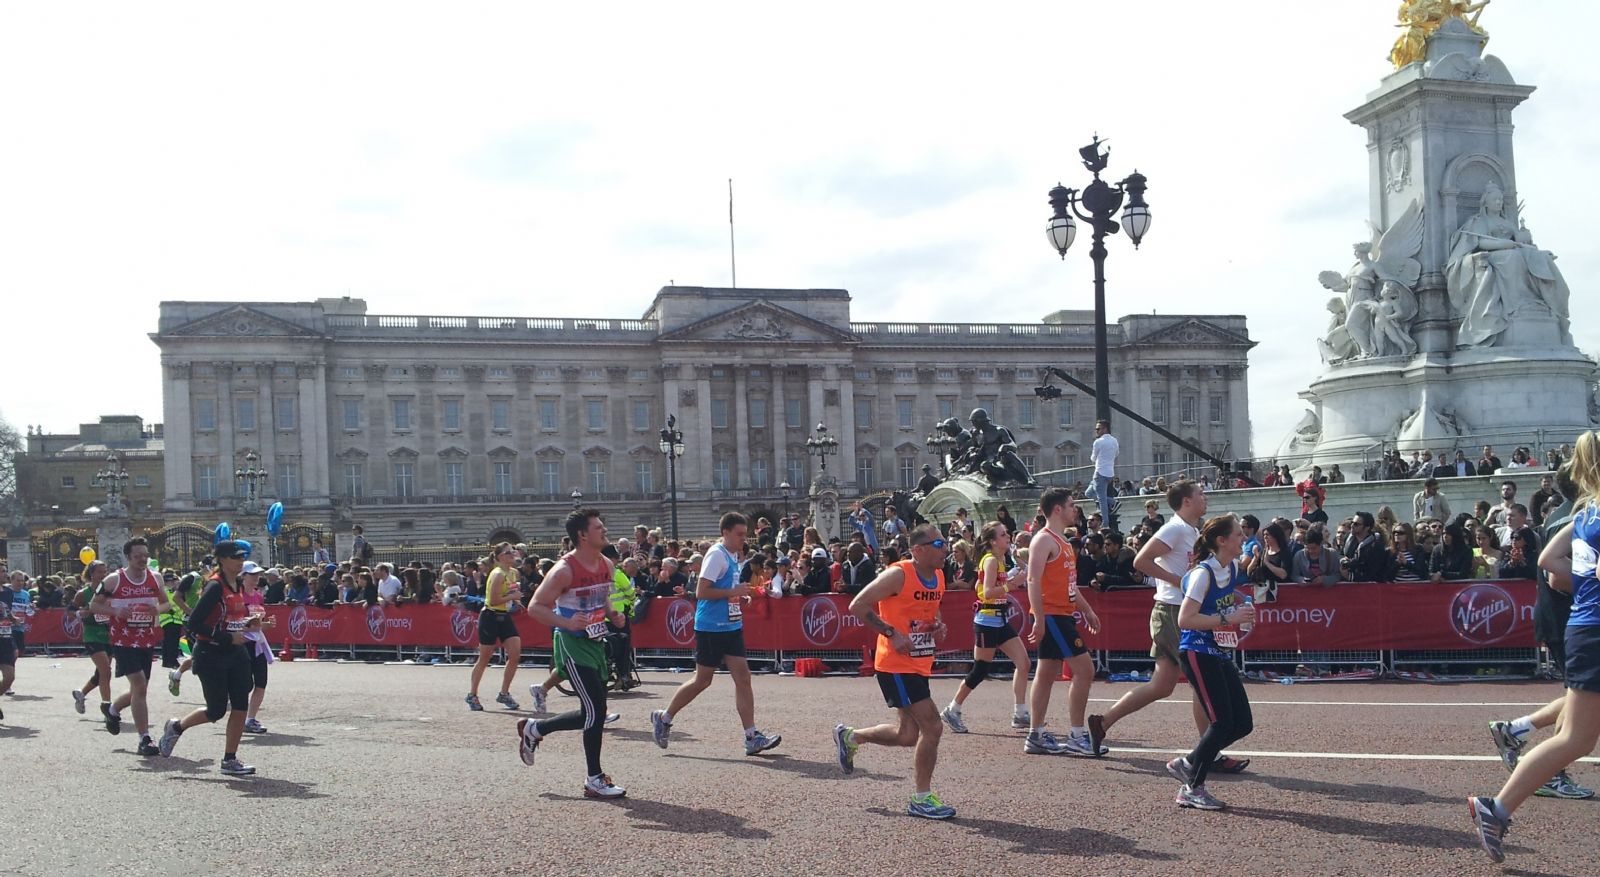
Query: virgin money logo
[72,625]
[464,626]
[375,623]
[1483,614]
[1014,614]
[297,623]
[820,621]
[680,622]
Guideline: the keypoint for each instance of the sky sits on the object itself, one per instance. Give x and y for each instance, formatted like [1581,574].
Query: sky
[513,159]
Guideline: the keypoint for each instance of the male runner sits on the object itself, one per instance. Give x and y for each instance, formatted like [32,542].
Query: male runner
[218,626]
[902,605]
[1053,598]
[1166,558]
[575,600]
[8,647]
[189,587]
[719,638]
[132,596]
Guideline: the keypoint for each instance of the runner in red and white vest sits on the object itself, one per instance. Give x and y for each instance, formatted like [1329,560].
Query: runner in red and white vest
[133,597]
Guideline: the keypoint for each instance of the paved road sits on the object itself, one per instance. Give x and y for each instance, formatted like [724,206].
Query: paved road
[380,770]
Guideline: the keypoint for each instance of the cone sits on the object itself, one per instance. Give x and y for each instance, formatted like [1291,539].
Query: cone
[311,651]
[287,654]
[1066,673]
[867,667]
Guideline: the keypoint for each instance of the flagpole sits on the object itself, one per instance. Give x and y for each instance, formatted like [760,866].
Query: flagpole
[733,261]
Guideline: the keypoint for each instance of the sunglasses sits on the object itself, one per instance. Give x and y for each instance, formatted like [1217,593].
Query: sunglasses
[936,543]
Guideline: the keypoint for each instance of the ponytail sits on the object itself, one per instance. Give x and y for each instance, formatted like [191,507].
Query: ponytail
[1212,532]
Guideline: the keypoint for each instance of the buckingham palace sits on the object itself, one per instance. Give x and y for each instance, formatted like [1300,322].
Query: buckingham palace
[452,429]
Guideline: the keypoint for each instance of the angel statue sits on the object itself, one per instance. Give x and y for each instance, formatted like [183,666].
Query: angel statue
[1373,327]
[1420,18]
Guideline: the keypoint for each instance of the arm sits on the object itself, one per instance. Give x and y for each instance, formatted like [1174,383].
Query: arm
[543,607]
[210,602]
[1145,562]
[865,607]
[1090,619]
[101,604]
[1556,559]
[1037,559]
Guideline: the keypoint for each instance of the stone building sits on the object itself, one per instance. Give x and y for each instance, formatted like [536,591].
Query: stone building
[56,474]
[448,429]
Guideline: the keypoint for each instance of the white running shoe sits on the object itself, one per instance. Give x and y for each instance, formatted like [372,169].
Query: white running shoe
[527,740]
[78,701]
[660,727]
[952,717]
[1021,721]
[169,737]
[611,718]
[602,787]
[538,693]
[235,768]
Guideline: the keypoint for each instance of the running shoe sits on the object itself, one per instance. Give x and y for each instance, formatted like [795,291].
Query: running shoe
[174,682]
[1229,764]
[1043,743]
[602,787]
[235,768]
[761,743]
[1021,721]
[113,721]
[1178,769]
[952,717]
[1078,744]
[929,806]
[611,718]
[169,737]
[527,740]
[660,727]
[1097,733]
[1508,744]
[845,744]
[474,704]
[146,748]
[1562,786]
[539,694]
[251,726]
[78,702]
[1491,826]
[505,699]
[1198,798]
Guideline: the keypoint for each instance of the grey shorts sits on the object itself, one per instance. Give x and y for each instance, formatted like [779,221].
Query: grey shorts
[1164,633]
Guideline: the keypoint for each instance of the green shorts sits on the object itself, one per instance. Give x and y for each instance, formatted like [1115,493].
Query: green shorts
[1164,633]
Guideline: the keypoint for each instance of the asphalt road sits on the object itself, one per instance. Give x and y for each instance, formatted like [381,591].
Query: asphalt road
[381,770]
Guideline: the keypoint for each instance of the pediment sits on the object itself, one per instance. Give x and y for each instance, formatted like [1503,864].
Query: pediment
[759,321]
[403,453]
[501,452]
[352,454]
[453,453]
[240,321]
[907,448]
[1195,332]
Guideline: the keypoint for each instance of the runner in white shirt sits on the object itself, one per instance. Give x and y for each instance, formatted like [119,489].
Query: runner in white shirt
[1166,558]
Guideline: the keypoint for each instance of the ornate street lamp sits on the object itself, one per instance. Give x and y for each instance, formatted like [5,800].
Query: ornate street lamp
[940,445]
[822,446]
[785,487]
[672,448]
[252,482]
[577,498]
[114,478]
[1101,200]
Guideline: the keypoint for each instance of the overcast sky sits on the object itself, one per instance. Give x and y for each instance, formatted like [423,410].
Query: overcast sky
[540,160]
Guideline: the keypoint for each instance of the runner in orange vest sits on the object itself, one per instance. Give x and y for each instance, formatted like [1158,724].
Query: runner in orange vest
[1054,598]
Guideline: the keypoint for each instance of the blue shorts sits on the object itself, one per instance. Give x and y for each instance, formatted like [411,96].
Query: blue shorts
[1583,657]
[901,690]
[1061,640]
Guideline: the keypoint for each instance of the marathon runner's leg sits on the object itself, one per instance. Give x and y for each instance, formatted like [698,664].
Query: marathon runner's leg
[1018,654]
[929,729]
[513,647]
[744,695]
[980,671]
[1039,692]
[690,690]
[138,684]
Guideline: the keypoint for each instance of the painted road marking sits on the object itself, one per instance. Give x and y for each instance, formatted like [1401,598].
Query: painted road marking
[1254,702]
[1345,756]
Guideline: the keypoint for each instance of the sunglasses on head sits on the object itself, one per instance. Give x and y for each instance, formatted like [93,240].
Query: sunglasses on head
[933,543]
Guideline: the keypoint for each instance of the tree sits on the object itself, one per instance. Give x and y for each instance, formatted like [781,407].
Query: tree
[11,444]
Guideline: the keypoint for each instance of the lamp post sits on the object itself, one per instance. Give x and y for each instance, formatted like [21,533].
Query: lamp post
[940,445]
[786,487]
[672,448]
[114,478]
[251,481]
[1101,200]
[822,446]
[577,498]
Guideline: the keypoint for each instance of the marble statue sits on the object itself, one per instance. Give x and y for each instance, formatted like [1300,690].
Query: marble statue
[1420,18]
[997,453]
[1376,320]
[1494,273]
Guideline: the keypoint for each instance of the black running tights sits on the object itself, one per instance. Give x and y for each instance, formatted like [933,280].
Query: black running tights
[590,717]
[1216,682]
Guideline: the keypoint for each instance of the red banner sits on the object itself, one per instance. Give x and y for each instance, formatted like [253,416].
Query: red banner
[1350,617]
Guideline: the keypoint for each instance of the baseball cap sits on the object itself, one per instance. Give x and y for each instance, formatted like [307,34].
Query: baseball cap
[784,560]
[250,568]
[819,552]
[332,567]
[232,548]
[693,559]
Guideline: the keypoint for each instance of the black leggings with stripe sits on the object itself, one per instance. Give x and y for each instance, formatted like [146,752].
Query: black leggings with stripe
[591,715]
[1217,684]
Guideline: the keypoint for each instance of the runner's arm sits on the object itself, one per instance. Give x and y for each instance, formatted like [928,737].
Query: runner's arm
[1556,559]
[543,607]
[1145,562]
[865,604]
[101,604]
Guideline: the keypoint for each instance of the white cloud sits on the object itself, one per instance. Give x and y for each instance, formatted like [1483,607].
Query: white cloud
[519,159]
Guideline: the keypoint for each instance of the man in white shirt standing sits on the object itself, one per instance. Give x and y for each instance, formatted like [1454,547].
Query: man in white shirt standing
[1104,454]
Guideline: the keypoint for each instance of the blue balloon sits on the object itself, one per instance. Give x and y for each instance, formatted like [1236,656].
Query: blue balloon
[275,518]
[244,546]
[223,532]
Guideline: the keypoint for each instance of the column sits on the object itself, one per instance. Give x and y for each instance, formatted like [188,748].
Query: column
[847,424]
[814,374]
[741,429]
[178,456]
[778,417]
[226,461]
[313,435]
[700,445]
[1239,413]
[670,401]
[267,425]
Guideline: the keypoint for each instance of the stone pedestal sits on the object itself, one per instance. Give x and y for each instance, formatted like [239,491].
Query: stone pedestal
[824,498]
[112,530]
[19,554]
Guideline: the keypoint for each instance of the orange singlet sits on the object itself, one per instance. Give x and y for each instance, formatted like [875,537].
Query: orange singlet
[1059,588]
[914,611]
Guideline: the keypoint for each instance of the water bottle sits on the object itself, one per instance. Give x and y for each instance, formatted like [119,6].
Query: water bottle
[1245,628]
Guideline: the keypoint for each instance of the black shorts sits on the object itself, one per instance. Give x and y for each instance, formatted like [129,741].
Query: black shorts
[131,660]
[1061,640]
[992,637]
[224,674]
[1583,657]
[711,646]
[495,627]
[97,648]
[1558,655]
[901,690]
[171,642]
[8,652]
[258,669]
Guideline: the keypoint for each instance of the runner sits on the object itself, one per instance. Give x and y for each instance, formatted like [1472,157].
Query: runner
[1166,558]
[171,622]
[255,644]
[1054,598]
[502,595]
[902,605]
[541,691]
[1212,618]
[96,641]
[218,626]
[992,631]
[719,639]
[1580,725]
[132,597]
[8,647]
[574,599]
[183,601]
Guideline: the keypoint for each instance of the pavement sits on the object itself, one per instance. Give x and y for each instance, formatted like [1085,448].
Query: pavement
[380,770]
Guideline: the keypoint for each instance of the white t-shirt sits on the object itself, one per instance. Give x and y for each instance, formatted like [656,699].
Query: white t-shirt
[389,588]
[715,564]
[1104,453]
[452,595]
[1179,537]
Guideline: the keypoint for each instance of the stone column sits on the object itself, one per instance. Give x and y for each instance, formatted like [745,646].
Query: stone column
[19,548]
[700,445]
[313,435]
[178,456]
[267,426]
[741,429]
[1239,412]
[814,375]
[671,403]
[112,530]
[847,424]
[778,418]
[226,453]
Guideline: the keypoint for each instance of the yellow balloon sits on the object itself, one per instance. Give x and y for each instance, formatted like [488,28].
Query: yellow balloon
[87,555]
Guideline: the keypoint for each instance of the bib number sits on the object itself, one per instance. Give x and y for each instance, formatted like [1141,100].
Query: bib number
[239,625]
[921,644]
[1226,639]
[597,630]
[735,610]
[140,619]
[5,628]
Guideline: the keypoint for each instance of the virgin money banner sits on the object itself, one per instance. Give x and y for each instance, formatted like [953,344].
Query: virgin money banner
[1365,617]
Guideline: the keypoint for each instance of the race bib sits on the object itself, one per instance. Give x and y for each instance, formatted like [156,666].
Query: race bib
[921,644]
[1226,639]
[102,619]
[735,609]
[239,625]
[993,610]
[141,617]
[5,627]
[597,630]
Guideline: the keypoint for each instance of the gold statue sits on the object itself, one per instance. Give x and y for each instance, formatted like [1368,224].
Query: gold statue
[1421,18]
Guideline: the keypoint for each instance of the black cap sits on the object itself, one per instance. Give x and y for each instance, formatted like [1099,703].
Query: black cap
[237,549]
